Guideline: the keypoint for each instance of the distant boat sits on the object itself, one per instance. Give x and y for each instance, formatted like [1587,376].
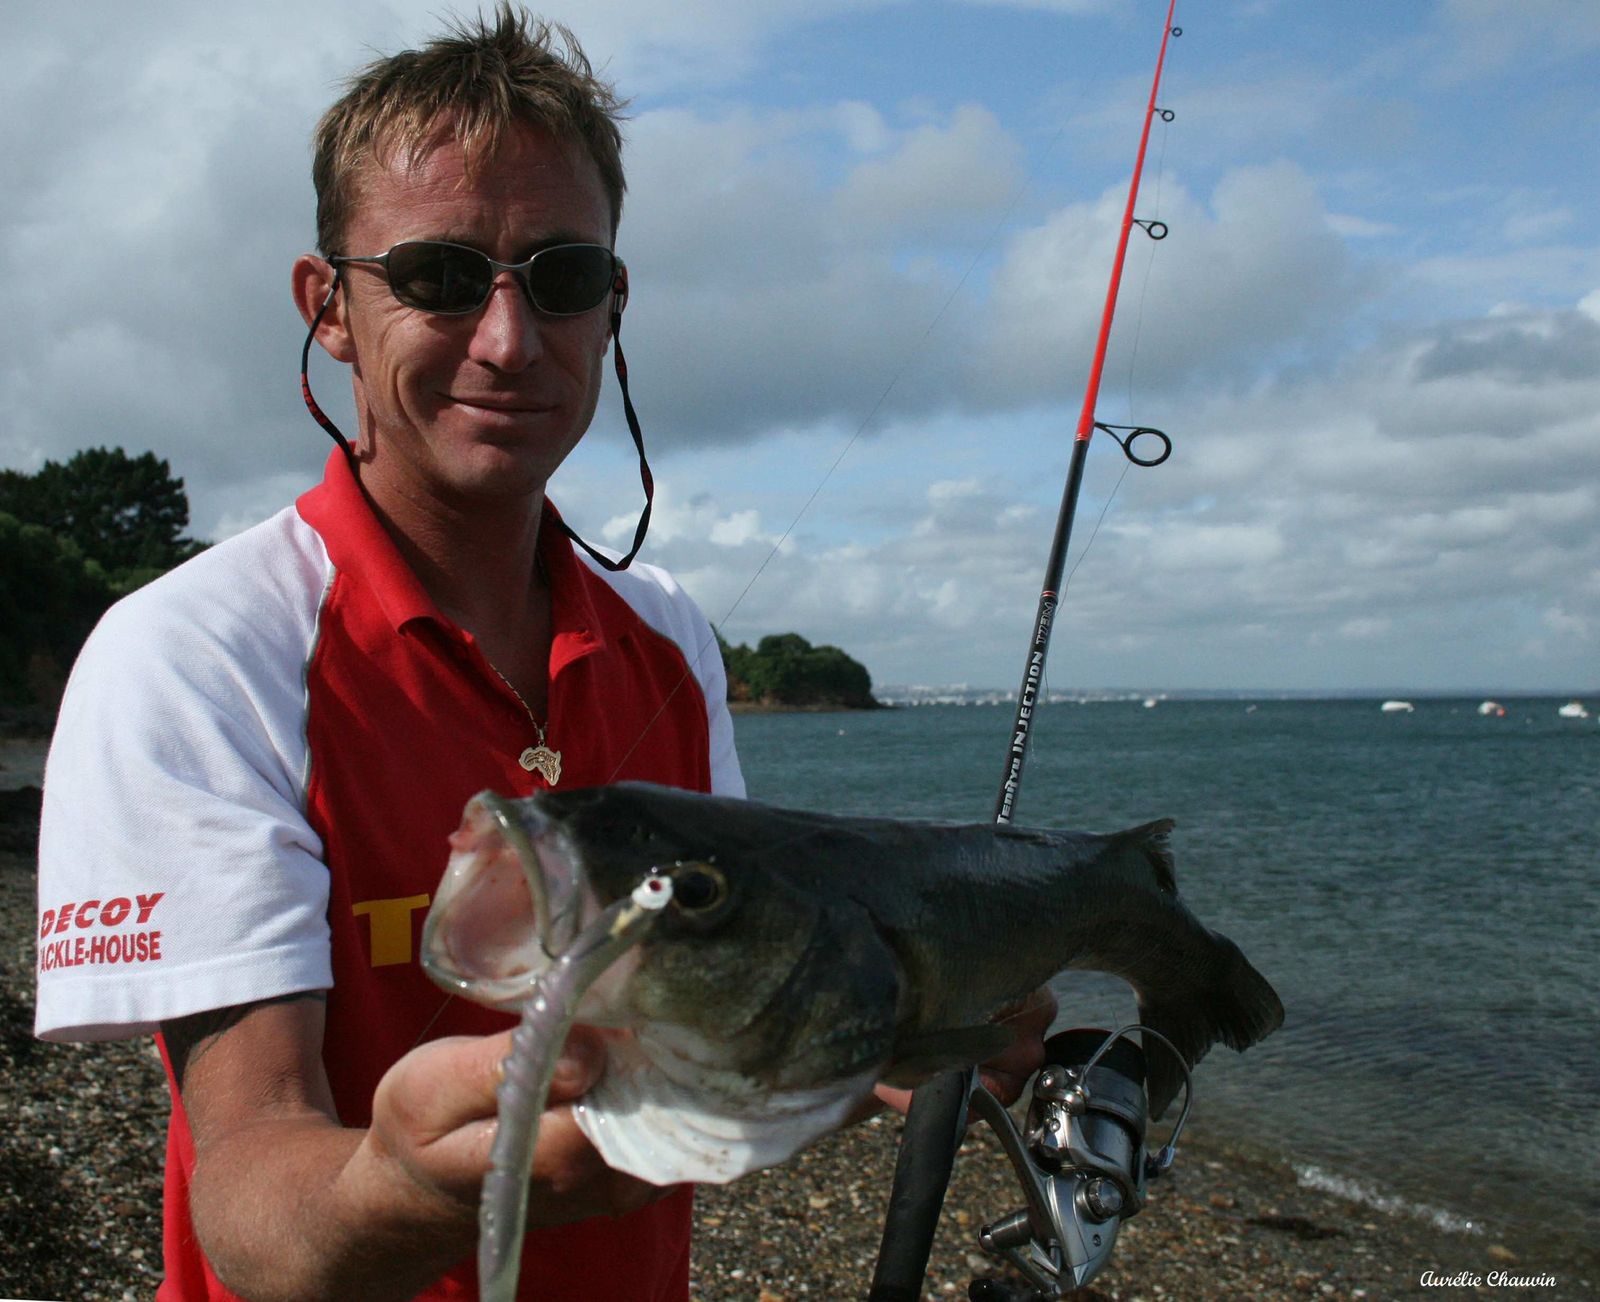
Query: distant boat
[1149,702]
[1493,709]
[1573,710]
[1397,707]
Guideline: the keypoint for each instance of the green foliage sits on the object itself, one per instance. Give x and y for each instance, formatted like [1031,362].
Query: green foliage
[127,513]
[73,538]
[50,597]
[785,669]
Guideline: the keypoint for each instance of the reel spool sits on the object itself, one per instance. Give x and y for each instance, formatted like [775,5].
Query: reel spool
[1081,1157]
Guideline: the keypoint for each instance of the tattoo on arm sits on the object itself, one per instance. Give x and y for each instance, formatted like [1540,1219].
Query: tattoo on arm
[188,1038]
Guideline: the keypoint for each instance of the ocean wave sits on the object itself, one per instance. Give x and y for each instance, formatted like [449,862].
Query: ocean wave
[1358,1191]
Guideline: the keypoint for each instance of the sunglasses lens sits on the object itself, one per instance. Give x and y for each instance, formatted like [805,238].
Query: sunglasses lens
[439,277]
[571,278]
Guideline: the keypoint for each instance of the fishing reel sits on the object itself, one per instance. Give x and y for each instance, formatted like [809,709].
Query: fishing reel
[1081,1158]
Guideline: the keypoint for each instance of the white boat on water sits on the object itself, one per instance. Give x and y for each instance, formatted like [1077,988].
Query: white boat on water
[1397,707]
[1493,709]
[1573,710]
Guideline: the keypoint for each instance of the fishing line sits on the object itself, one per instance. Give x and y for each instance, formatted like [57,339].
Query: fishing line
[1133,358]
[1166,116]
[1022,189]
[911,354]
[1000,223]
[930,1136]
[905,364]
[1110,497]
[1149,266]
[437,1013]
[1066,585]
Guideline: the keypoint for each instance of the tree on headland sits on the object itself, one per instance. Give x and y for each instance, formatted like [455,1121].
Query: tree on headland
[73,538]
[51,595]
[127,513]
[786,670]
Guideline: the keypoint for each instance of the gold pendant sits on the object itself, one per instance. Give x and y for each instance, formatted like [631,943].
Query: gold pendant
[541,759]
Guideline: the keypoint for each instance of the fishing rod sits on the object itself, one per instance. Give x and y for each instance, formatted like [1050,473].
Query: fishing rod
[936,1120]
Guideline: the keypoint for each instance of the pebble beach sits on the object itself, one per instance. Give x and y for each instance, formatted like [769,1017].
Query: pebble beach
[82,1145]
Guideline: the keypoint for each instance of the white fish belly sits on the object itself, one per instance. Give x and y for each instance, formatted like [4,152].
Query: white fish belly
[670,1131]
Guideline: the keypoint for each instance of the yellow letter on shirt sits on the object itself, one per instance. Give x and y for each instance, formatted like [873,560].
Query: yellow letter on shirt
[389,923]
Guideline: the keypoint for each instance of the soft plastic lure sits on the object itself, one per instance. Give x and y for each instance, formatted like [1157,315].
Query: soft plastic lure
[547,1015]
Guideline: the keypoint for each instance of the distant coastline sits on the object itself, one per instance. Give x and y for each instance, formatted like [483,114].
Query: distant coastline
[815,707]
[964,694]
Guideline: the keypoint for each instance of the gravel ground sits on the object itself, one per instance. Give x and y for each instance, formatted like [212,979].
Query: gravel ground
[84,1126]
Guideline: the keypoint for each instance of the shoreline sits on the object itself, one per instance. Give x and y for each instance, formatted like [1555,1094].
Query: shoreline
[766,707]
[1229,1221]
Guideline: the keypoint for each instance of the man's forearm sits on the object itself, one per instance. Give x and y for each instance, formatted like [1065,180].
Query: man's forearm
[285,1201]
[304,1209]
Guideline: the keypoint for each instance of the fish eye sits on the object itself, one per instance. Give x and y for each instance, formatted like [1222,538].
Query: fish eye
[698,888]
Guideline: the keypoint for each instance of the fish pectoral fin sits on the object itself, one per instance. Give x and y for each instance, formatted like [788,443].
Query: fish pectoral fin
[917,1057]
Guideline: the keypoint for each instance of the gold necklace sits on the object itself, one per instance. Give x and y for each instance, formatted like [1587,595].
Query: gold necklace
[535,759]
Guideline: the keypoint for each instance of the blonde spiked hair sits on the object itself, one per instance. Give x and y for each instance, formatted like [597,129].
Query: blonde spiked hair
[476,81]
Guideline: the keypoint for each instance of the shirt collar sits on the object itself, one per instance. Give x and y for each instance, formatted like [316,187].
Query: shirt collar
[360,546]
[575,623]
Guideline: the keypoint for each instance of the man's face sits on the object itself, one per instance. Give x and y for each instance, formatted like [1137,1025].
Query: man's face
[486,405]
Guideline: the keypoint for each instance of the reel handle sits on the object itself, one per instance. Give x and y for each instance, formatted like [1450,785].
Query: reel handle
[1081,1160]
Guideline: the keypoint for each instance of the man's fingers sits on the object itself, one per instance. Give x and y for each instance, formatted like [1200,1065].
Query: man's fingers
[570,1180]
[583,1058]
[1007,1073]
[442,1085]
[445,1084]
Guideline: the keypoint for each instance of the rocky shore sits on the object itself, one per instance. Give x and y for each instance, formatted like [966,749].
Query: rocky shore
[80,1191]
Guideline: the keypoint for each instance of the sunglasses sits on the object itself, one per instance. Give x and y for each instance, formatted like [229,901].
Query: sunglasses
[452,279]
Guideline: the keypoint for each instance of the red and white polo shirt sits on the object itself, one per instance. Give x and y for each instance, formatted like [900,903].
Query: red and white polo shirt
[257,763]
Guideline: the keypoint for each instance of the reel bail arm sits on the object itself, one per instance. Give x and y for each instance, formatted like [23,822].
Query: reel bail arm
[1081,1160]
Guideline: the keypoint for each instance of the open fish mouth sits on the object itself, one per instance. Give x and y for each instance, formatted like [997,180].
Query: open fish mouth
[508,904]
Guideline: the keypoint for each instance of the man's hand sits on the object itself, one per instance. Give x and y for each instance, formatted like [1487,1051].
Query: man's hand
[288,1203]
[433,1118]
[1008,1074]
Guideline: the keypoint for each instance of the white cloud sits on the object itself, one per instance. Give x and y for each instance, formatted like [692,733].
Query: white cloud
[1377,476]
[1482,36]
[1049,6]
[798,305]
[1234,279]
[1301,535]
[933,178]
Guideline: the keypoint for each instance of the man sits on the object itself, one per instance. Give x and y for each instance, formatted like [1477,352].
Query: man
[260,756]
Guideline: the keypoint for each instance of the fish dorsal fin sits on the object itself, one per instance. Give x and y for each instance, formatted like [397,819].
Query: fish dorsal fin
[917,1057]
[1151,840]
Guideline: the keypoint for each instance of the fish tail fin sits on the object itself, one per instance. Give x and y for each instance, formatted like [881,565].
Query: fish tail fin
[1238,1007]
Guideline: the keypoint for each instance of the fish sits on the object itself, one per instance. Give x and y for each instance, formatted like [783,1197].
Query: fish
[804,957]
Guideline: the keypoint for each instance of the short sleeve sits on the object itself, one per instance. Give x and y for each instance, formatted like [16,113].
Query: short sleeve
[177,869]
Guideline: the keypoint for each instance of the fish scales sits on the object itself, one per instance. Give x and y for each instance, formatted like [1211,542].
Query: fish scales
[807,956]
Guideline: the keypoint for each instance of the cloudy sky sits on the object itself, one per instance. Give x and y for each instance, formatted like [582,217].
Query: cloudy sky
[869,245]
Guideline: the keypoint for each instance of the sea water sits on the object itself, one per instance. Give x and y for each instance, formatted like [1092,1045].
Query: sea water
[1422,889]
